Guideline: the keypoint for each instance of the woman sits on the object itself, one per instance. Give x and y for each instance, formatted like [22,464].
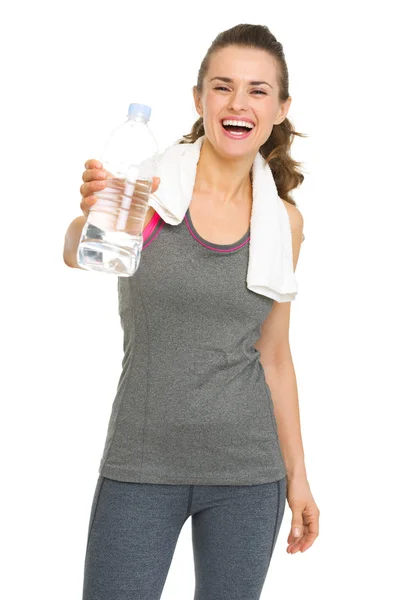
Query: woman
[189,434]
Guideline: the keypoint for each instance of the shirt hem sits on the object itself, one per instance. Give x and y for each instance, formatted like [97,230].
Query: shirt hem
[130,476]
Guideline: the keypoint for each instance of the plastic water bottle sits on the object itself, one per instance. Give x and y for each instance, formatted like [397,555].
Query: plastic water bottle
[111,239]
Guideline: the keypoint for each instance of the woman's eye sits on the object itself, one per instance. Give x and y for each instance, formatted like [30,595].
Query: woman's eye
[220,87]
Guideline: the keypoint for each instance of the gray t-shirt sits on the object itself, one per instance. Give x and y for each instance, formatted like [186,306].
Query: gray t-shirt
[192,403]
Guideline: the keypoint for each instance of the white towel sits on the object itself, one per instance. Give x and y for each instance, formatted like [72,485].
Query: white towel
[270,265]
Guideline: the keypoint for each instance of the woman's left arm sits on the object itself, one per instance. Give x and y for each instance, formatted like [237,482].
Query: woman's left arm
[282,382]
[276,359]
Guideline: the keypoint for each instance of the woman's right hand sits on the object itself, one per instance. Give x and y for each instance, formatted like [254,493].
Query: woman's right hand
[94,178]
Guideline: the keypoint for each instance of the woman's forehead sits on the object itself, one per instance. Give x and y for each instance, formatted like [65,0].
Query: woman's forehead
[242,65]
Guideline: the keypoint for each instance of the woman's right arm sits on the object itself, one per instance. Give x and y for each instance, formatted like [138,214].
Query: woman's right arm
[71,241]
[94,178]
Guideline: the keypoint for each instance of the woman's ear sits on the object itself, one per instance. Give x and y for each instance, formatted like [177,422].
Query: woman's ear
[198,105]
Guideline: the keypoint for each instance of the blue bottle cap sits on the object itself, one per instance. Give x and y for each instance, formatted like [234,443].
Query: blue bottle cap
[139,109]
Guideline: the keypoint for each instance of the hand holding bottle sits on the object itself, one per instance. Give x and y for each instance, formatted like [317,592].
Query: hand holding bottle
[115,196]
[94,178]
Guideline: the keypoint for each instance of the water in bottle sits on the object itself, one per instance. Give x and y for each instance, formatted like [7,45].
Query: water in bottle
[111,239]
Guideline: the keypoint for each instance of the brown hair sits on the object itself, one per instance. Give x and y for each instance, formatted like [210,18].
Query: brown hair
[276,150]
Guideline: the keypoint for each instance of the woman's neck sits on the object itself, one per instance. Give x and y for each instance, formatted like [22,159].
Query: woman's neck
[227,181]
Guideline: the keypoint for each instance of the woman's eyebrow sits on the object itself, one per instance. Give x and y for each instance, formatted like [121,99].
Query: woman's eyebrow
[228,80]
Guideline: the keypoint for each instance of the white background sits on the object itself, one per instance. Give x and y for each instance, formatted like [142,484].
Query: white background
[68,73]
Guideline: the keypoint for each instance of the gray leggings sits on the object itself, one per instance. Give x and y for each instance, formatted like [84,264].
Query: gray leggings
[134,528]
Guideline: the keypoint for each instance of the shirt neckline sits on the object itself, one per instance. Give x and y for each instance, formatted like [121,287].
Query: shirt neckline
[244,239]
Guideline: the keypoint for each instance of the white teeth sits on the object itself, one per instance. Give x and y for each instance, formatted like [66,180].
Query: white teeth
[238,133]
[234,122]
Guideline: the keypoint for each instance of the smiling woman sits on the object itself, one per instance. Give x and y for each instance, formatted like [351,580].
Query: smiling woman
[263,101]
[205,422]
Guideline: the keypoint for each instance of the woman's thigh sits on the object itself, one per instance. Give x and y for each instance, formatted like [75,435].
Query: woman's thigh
[132,535]
[234,532]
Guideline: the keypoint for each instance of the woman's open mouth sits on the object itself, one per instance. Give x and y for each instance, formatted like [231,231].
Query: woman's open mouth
[236,132]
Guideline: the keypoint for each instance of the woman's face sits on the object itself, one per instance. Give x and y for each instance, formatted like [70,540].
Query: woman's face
[240,98]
